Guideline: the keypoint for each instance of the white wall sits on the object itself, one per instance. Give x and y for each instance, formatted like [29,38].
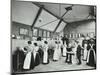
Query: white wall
[18,43]
[80,27]
[24,12]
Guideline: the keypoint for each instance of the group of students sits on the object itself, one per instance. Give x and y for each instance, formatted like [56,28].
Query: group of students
[33,54]
[82,50]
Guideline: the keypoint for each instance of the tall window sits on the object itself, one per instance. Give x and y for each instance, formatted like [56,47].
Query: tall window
[40,33]
[35,32]
[44,34]
[48,34]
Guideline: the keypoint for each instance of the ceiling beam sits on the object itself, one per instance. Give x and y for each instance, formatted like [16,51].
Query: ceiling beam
[58,25]
[61,18]
[37,16]
[49,12]
[60,21]
[82,21]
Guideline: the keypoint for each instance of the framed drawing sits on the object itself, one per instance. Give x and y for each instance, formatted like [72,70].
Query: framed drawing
[23,31]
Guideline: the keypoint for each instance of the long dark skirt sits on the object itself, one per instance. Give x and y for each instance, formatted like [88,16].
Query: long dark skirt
[32,65]
[37,59]
[91,60]
[40,51]
[68,57]
[29,62]
[79,59]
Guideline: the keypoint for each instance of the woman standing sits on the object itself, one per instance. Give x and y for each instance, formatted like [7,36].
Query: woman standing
[36,55]
[45,54]
[28,62]
[79,53]
[56,55]
[59,49]
[69,54]
[74,49]
[91,58]
[64,49]
[84,45]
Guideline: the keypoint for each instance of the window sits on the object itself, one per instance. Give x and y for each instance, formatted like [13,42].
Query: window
[40,33]
[35,32]
[48,34]
[44,34]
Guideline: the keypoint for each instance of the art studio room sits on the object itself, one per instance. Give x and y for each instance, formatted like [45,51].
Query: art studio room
[52,37]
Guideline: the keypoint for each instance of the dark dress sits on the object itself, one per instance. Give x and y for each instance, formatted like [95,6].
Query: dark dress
[69,56]
[32,65]
[37,59]
[40,52]
[91,59]
[18,60]
[50,53]
[78,53]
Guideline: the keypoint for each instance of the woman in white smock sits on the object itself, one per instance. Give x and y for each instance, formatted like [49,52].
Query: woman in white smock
[56,53]
[74,49]
[45,53]
[64,49]
[29,57]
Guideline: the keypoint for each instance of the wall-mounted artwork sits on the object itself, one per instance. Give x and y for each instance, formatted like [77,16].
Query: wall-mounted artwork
[24,31]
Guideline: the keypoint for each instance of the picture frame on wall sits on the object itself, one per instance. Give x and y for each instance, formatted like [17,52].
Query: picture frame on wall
[23,31]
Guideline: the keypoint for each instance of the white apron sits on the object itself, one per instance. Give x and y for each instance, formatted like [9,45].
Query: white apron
[45,56]
[74,57]
[56,53]
[64,49]
[85,52]
[27,61]
[59,50]
[34,54]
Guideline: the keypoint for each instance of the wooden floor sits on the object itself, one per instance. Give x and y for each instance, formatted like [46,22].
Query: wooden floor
[58,66]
